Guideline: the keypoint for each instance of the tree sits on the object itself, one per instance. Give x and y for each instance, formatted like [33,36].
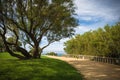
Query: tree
[29,21]
[1,45]
[101,42]
[52,54]
[70,46]
[114,43]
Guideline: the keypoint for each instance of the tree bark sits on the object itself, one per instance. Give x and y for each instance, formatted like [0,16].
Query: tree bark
[36,51]
[40,52]
[24,52]
[11,52]
[8,49]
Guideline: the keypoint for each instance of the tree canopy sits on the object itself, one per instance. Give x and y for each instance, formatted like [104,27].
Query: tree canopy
[29,21]
[100,42]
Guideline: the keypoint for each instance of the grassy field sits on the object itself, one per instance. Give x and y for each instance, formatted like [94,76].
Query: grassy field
[36,69]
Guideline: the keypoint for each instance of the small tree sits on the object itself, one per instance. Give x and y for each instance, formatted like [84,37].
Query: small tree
[32,20]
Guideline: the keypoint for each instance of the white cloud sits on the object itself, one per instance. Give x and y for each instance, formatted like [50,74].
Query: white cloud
[101,8]
[86,18]
[54,47]
[81,29]
[84,28]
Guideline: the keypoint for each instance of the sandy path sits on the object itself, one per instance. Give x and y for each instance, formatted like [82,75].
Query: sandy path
[93,70]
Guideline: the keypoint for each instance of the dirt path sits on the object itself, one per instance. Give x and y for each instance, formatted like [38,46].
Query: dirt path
[93,70]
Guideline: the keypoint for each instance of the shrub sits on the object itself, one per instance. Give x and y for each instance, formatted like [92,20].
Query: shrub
[52,53]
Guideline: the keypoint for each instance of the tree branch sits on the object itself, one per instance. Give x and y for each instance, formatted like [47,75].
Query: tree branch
[29,42]
[8,49]
[47,45]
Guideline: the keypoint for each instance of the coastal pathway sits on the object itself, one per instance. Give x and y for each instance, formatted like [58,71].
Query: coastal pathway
[93,70]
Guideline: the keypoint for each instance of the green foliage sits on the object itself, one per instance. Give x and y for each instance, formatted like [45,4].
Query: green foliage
[52,53]
[37,69]
[101,42]
[29,21]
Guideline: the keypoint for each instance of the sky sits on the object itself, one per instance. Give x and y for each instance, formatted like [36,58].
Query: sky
[91,14]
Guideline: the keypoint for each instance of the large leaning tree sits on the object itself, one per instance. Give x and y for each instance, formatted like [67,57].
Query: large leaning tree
[29,21]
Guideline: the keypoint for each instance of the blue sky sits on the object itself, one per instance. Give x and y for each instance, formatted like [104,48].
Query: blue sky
[91,14]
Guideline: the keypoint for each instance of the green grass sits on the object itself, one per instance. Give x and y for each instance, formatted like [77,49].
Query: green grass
[5,55]
[36,69]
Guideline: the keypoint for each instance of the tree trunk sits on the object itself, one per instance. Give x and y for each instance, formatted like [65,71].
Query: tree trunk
[36,52]
[24,52]
[15,55]
[12,53]
[40,52]
[0,49]
[9,51]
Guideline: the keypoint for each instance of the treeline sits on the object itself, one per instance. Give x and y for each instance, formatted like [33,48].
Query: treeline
[52,54]
[101,42]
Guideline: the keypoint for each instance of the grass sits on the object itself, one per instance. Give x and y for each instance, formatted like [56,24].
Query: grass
[36,69]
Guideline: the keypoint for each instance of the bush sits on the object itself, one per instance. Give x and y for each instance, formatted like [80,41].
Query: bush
[52,53]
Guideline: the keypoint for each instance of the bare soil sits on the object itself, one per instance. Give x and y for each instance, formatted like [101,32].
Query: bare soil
[93,70]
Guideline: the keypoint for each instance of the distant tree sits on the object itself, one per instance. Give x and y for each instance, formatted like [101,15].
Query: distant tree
[52,53]
[29,21]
